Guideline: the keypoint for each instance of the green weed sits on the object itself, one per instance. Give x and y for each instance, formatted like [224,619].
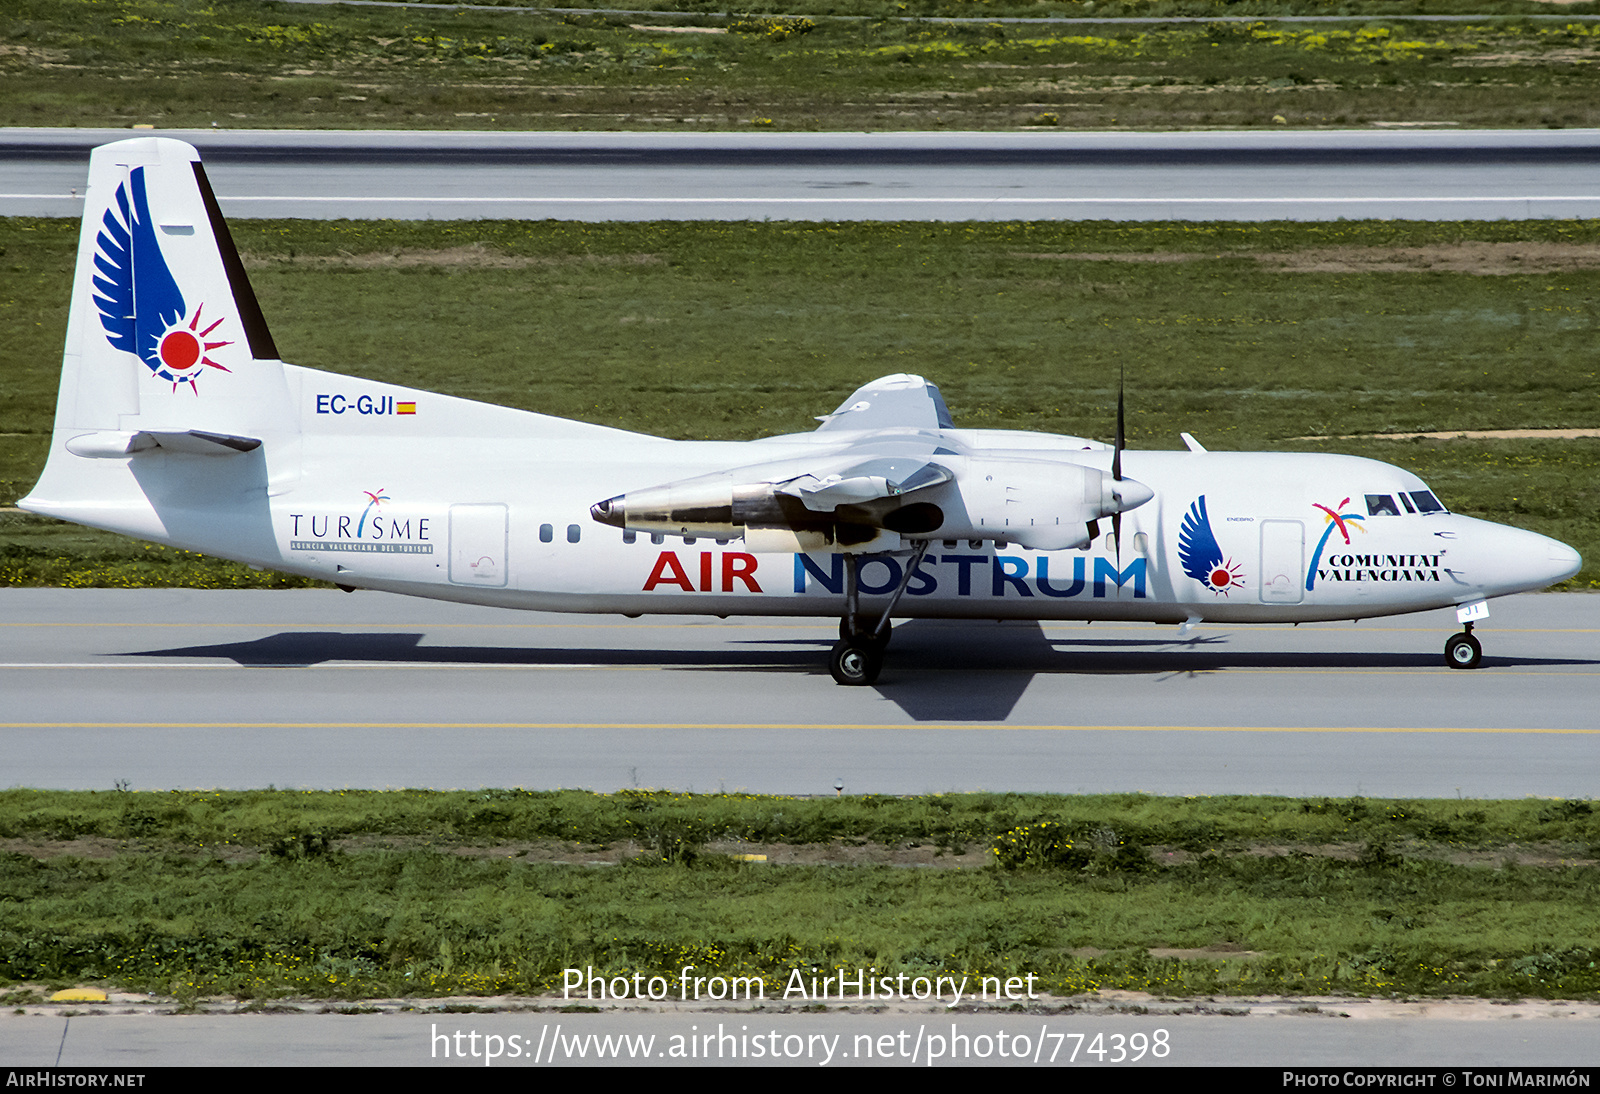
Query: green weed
[416,919]
[255,64]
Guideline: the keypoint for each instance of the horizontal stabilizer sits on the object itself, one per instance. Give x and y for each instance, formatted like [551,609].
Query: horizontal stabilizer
[113,445]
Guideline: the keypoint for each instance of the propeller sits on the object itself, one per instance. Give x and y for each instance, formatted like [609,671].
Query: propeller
[1116,468]
[1116,477]
[1116,455]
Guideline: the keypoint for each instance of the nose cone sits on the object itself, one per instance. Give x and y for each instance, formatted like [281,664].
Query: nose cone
[1539,561]
[1502,560]
[1562,560]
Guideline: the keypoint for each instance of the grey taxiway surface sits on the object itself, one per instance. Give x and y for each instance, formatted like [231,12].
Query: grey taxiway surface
[1296,175]
[173,688]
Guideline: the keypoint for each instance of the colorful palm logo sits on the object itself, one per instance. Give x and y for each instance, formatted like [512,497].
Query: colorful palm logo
[377,499]
[1336,521]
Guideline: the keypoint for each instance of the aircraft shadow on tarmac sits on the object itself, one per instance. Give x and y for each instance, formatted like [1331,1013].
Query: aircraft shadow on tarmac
[940,670]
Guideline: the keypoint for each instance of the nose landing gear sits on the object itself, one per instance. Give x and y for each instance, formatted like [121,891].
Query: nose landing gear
[1463,650]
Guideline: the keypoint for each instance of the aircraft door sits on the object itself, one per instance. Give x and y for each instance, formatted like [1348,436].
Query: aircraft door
[478,545]
[1283,561]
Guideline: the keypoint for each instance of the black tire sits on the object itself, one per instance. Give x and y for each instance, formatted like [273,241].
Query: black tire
[855,664]
[1463,652]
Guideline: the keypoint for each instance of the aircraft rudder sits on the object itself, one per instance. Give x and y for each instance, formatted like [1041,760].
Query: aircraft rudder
[164,330]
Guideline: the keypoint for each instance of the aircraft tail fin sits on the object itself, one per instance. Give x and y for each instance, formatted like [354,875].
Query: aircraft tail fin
[164,334]
[167,355]
[168,358]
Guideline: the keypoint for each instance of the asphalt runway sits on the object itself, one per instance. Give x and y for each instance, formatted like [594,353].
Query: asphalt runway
[178,689]
[1295,175]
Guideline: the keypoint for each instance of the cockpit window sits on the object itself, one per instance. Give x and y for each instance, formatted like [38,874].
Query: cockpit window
[1426,502]
[1406,501]
[1381,505]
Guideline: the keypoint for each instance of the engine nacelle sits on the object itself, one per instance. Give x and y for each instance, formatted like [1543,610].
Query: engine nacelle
[767,517]
[1039,504]
[1045,505]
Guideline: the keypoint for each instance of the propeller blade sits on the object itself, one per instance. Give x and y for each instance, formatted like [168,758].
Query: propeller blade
[1122,438]
[1116,468]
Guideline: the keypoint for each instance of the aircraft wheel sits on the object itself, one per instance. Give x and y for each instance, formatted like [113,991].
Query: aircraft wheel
[1463,652]
[855,664]
[846,635]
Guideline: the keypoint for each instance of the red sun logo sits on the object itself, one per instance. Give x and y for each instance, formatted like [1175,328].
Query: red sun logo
[1225,578]
[184,347]
[180,349]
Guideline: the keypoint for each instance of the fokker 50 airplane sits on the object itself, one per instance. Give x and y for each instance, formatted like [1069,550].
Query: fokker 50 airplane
[177,422]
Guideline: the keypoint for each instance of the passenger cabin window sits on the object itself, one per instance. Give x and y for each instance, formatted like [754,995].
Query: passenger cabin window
[546,533]
[1426,502]
[1381,505]
[573,533]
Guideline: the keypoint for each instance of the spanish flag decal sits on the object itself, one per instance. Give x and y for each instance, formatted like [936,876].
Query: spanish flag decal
[405,408]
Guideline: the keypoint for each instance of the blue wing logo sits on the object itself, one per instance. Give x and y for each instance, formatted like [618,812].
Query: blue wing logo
[1201,554]
[141,307]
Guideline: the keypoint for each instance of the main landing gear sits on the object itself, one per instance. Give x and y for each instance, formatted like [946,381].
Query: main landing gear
[858,658]
[1463,650]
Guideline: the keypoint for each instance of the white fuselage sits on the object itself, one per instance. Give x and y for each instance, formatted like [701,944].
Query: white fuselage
[178,422]
[409,503]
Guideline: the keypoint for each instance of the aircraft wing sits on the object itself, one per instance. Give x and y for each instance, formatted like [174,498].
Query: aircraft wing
[866,481]
[896,471]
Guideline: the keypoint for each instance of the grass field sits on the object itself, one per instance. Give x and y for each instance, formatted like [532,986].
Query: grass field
[1249,336]
[347,895]
[249,64]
